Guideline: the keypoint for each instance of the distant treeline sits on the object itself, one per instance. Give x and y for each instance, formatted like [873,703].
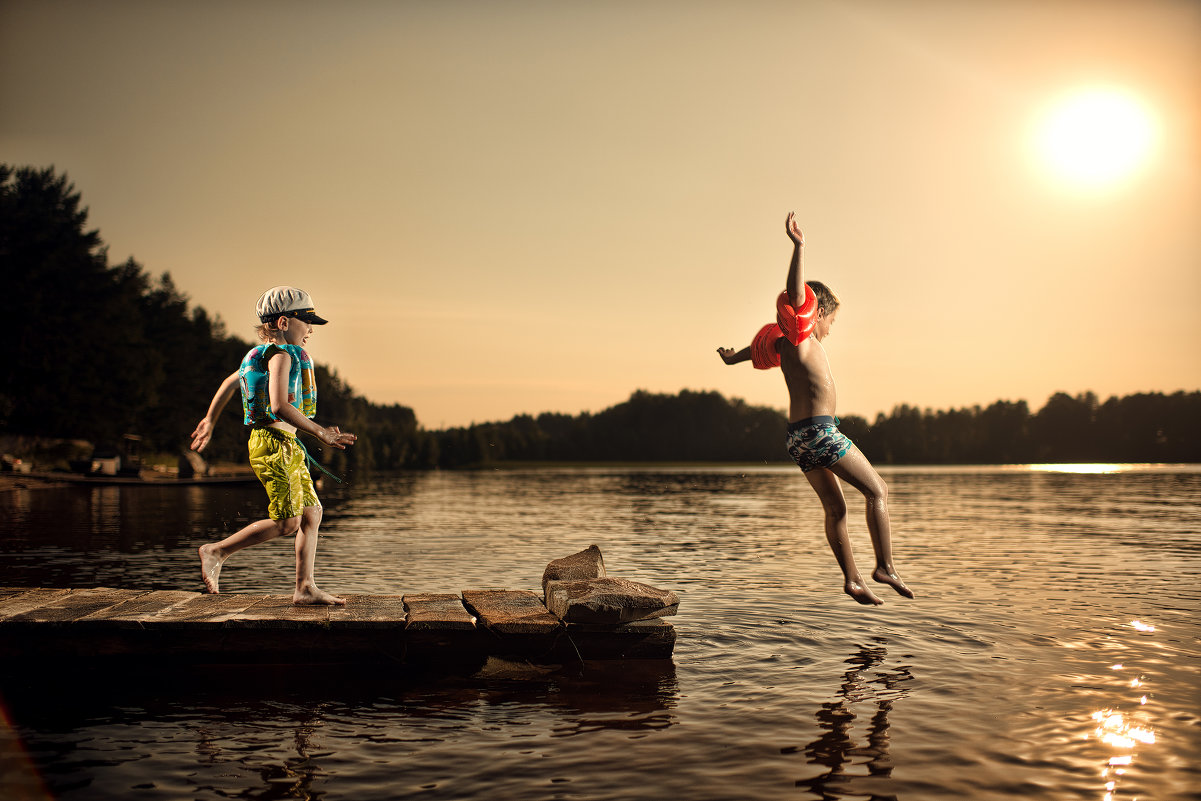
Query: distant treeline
[98,350]
[688,427]
[704,426]
[1146,427]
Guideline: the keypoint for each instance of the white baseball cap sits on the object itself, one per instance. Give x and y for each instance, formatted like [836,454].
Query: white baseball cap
[289,301]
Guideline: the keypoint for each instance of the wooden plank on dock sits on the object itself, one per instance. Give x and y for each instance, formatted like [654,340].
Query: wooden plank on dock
[133,610]
[278,611]
[29,600]
[76,604]
[369,612]
[210,610]
[511,611]
[57,629]
[437,611]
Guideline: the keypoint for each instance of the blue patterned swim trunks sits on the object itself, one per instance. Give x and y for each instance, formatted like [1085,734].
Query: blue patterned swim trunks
[816,442]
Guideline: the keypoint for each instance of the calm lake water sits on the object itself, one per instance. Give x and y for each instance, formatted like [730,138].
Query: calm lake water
[1053,652]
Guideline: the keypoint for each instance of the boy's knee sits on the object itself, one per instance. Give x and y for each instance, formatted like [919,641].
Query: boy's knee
[876,491]
[288,526]
[836,508]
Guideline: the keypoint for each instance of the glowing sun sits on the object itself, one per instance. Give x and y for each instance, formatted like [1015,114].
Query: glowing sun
[1095,137]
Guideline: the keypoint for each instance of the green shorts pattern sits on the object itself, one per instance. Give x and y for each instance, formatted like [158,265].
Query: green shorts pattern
[278,460]
[816,442]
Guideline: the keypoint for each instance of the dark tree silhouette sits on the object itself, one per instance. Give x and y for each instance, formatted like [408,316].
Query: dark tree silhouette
[98,351]
[80,362]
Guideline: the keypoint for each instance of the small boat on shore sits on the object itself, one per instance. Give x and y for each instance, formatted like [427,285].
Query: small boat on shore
[123,466]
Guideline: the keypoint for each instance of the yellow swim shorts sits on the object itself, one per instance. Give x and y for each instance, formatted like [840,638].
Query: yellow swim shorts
[278,461]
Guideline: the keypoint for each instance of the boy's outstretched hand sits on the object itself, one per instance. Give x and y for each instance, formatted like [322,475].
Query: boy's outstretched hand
[202,435]
[793,230]
[730,356]
[337,438]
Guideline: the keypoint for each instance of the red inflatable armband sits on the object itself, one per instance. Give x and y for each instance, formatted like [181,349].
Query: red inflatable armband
[763,347]
[797,324]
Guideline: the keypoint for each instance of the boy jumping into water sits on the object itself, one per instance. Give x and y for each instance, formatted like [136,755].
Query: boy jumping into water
[806,314]
[279,396]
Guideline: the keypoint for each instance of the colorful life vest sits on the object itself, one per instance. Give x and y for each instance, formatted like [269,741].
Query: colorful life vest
[255,380]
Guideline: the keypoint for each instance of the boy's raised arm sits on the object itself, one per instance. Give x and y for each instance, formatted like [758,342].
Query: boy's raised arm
[796,268]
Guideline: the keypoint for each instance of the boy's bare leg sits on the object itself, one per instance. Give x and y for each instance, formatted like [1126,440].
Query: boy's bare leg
[214,554]
[307,592]
[730,356]
[826,485]
[856,470]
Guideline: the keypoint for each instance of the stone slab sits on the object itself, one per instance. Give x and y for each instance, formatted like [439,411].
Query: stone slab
[437,612]
[609,600]
[510,611]
[586,564]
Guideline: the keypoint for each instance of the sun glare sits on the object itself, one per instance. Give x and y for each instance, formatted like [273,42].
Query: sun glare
[1096,137]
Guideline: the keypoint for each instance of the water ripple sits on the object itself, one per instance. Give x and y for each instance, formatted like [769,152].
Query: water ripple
[1048,656]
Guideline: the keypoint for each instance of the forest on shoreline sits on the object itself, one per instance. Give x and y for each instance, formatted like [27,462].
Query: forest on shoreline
[147,362]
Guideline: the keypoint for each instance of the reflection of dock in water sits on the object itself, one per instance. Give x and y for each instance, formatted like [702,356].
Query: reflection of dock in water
[72,627]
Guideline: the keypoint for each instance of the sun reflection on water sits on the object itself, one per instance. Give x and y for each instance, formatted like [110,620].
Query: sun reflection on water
[1113,729]
[1120,732]
[1081,469]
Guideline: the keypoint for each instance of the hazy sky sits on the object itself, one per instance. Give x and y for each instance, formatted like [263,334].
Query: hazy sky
[510,207]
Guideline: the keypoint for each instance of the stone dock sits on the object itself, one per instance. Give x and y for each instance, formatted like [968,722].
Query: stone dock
[92,628]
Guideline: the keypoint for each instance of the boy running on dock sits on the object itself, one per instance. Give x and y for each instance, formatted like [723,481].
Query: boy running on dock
[279,396]
[806,312]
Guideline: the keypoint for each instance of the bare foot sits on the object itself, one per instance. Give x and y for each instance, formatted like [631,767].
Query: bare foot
[889,577]
[311,596]
[861,594]
[210,567]
[727,354]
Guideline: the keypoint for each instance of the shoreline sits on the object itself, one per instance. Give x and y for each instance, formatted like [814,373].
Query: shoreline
[11,482]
